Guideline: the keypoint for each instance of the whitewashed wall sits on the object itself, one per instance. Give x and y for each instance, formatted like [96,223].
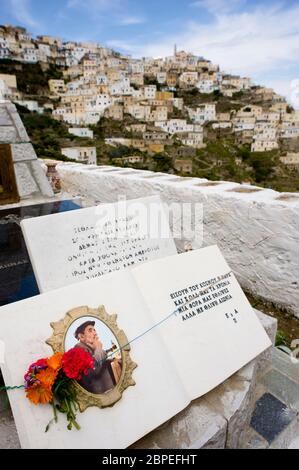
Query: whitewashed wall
[256,229]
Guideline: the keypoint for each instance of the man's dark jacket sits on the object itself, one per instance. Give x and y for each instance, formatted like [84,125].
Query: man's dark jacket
[100,378]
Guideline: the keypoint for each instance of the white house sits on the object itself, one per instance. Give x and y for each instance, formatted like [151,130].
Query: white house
[44,52]
[4,53]
[193,139]
[290,132]
[291,159]
[272,118]
[206,86]
[30,55]
[139,112]
[73,85]
[99,103]
[24,36]
[264,137]
[204,113]
[113,62]
[161,77]
[263,145]
[222,125]
[102,79]
[174,126]
[188,78]
[57,87]
[4,48]
[250,110]
[71,117]
[81,132]
[31,105]
[82,154]
[244,123]
[80,52]
[265,129]
[133,159]
[150,92]
[178,103]
[138,94]
[122,87]
[158,114]
[136,67]
[114,141]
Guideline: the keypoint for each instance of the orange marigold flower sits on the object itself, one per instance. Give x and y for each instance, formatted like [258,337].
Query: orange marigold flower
[55,361]
[47,377]
[39,394]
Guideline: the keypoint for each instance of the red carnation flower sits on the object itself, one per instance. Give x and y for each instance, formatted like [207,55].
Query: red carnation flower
[40,363]
[76,362]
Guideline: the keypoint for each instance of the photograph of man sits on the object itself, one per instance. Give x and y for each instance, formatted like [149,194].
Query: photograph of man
[102,378]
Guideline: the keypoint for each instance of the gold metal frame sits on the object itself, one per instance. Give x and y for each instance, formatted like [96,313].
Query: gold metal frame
[56,341]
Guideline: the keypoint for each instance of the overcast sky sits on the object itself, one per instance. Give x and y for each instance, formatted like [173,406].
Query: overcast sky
[257,38]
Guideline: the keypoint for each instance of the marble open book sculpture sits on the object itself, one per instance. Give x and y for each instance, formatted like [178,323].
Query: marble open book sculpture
[177,326]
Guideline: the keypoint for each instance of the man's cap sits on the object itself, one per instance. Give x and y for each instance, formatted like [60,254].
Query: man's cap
[82,327]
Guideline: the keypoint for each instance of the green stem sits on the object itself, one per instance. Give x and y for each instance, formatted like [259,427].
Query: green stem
[54,411]
[70,414]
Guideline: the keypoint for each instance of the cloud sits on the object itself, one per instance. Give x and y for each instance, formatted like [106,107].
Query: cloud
[20,9]
[93,5]
[120,44]
[131,20]
[259,42]
[217,7]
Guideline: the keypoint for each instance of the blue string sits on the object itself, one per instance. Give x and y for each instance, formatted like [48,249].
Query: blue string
[142,334]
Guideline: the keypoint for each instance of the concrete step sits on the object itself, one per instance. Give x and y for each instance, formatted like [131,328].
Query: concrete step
[8,433]
[287,439]
[294,444]
[275,419]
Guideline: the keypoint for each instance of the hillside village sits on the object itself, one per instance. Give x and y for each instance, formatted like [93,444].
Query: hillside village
[179,114]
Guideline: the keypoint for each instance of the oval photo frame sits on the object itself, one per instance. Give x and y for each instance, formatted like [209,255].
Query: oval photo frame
[58,339]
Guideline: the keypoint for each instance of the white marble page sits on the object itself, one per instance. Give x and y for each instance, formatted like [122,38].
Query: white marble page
[213,334]
[70,247]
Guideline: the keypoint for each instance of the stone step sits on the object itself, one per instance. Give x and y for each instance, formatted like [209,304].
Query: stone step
[287,439]
[294,444]
[283,363]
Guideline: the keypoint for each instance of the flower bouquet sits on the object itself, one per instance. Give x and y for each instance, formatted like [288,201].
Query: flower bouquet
[50,380]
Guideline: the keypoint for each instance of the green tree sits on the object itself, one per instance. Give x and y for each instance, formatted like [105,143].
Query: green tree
[163,162]
[263,165]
